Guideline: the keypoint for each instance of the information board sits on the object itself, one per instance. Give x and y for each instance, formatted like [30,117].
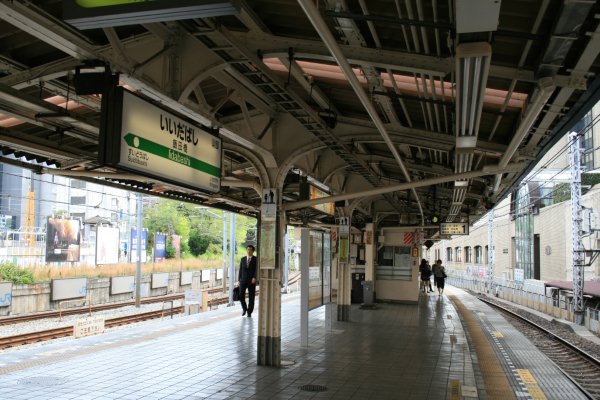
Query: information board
[454,228]
[88,326]
[141,137]
[316,193]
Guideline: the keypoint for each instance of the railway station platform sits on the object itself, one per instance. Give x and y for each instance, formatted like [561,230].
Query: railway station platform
[448,347]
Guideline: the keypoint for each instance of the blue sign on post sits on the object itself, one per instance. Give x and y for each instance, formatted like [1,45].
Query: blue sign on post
[160,246]
[134,244]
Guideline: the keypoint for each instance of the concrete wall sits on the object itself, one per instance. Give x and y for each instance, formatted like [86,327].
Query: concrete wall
[36,298]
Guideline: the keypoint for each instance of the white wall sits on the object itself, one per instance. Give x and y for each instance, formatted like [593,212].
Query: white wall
[553,224]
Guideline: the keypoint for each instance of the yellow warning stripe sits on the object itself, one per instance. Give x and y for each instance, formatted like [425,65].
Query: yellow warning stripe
[531,384]
[496,383]
[455,390]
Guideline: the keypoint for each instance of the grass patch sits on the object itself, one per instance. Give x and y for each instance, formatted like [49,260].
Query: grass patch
[15,274]
[46,273]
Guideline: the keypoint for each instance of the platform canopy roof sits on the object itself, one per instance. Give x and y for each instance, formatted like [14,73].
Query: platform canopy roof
[354,96]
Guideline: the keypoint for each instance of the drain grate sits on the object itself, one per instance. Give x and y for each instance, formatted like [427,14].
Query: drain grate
[313,388]
[42,381]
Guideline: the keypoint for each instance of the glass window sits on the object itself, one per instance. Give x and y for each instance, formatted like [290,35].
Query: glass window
[458,254]
[448,253]
[394,263]
[75,184]
[468,254]
[524,234]
[478,258]
[77,200]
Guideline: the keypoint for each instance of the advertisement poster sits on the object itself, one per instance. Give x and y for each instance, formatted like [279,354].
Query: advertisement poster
[344,248]
[267,244]
[160,247]
[107,245]
[134,244]
[62,240]
[176,242]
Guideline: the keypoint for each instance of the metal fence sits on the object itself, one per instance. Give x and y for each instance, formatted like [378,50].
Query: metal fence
[557,305]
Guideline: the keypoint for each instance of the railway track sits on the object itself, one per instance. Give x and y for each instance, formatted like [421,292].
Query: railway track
[55,333]
[579,366]
[83,310]
[112,306]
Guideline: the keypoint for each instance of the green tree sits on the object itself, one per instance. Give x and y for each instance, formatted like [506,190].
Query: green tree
[562,191]
[199,242]
[166,216]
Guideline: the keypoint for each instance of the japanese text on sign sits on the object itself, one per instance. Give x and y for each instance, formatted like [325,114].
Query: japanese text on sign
[454,228]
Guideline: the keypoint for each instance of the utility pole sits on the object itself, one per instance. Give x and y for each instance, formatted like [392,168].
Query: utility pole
[138,268]
[576,217]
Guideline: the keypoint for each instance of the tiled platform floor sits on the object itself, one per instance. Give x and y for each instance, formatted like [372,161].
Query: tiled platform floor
[394,352]
[531,374]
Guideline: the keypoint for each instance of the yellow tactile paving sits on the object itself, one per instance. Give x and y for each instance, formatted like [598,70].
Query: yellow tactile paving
[496,383]
[455,390]
[532,386]
[536,393]
[498,334]
[526,376]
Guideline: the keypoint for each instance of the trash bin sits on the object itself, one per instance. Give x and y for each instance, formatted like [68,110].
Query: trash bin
[368,292]
[356,293]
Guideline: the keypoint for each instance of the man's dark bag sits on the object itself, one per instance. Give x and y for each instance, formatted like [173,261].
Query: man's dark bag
[236,294]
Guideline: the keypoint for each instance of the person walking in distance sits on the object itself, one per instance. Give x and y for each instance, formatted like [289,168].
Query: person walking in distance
[425,276]
[247,280]
[439,275]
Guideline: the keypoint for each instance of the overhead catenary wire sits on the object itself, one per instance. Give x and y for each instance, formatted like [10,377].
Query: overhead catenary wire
[560,152]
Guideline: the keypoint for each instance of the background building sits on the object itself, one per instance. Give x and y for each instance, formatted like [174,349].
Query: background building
[532,226]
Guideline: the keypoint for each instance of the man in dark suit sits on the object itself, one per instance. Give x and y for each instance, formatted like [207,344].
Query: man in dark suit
[247,280]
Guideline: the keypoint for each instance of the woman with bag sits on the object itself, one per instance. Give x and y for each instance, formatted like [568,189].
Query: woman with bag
[439,274]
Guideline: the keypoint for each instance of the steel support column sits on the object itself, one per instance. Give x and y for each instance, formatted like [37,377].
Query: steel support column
[344,300]
[269,315]
[490,260]
[286,262]
[576,216]
[304,285]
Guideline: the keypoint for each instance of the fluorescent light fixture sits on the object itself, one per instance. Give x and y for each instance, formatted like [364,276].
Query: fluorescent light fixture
[463,184]
[472,68]
[91,14]
[466,142]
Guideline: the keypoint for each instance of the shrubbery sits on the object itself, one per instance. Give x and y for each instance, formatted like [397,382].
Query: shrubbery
[15,274]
